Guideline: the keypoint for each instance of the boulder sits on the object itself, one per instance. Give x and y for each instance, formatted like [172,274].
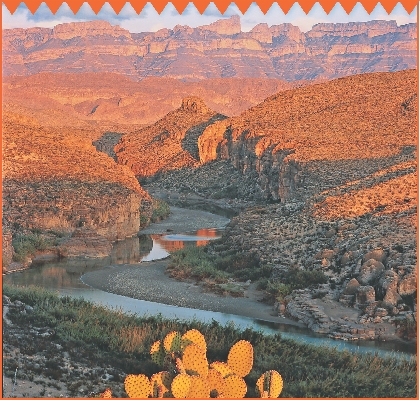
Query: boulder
[387,287]
[377,254]
[370,271]
[408,284]
[365,295]
[351,287]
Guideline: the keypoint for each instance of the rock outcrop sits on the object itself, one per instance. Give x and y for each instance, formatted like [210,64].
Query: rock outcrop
[85,242]
[170,143]
[218,50]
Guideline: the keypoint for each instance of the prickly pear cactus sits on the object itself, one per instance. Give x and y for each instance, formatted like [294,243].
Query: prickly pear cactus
[195,361]
[216,382]
[138,386]
[199,389]
[241,358]
[158,353]
[196,337]
[107,394]
[235,387]
[222,368]
[161,384]
[181,386]
[270,384]
[172,342]
[189,374]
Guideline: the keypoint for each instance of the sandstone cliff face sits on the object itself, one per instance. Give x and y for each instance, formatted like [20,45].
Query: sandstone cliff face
[168,144]
[292,137]
[218,50]
[55,179]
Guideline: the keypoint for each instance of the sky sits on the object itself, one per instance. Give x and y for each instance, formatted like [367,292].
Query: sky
[149,20]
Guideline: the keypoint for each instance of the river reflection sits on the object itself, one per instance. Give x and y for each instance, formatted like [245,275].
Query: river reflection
[162,245]
[66,273]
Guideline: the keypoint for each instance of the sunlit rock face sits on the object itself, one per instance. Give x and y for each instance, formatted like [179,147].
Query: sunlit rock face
[218,50]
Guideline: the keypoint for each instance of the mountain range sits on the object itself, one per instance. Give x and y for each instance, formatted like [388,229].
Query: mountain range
[218,50]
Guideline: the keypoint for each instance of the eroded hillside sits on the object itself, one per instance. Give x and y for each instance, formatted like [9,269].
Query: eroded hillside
[55,180]
[170,143]
[113,101]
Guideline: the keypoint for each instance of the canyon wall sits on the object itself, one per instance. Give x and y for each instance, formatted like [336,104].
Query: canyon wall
[218,50]
[302,138]
[54,179]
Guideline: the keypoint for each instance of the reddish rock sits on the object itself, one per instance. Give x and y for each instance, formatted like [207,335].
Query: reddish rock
[352,287]
[170,143]
[387,286]
[377,254]
[370,272]
[218,50]
[365,295]
[85,242]
[408,284]
[230,26]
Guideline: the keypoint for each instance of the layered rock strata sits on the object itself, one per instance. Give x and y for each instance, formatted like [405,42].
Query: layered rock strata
[218,50]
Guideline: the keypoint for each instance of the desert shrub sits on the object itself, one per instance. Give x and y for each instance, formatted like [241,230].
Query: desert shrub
[277,291]
[407,329]
[229,192]
[161,210]
[27,245]
[200,263]
[299,279]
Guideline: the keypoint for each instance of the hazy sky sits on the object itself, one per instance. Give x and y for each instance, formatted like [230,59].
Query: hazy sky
[150,20]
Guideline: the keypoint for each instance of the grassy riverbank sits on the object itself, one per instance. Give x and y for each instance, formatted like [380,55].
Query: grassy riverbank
[215,270]
[308,371]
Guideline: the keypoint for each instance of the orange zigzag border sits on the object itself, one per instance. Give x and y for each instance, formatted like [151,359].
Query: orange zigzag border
[222,5]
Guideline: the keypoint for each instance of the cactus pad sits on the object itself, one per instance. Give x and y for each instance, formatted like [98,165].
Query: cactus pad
[270,382]
[196,337]
[222,368]
[161,384]
[216,383]
[172,342]
[157,353]
[107,394]
[199,388]
[235,387]
[180,386]
[241,358]
[138,386]
[195,361]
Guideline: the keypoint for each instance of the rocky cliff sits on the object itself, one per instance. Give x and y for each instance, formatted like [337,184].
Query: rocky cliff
[170,143]
[54,179]
[302,137]
[218,50]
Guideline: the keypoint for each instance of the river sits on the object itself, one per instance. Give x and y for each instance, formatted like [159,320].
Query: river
[64,276]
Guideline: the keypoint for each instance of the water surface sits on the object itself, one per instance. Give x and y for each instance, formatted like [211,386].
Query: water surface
[64,277]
